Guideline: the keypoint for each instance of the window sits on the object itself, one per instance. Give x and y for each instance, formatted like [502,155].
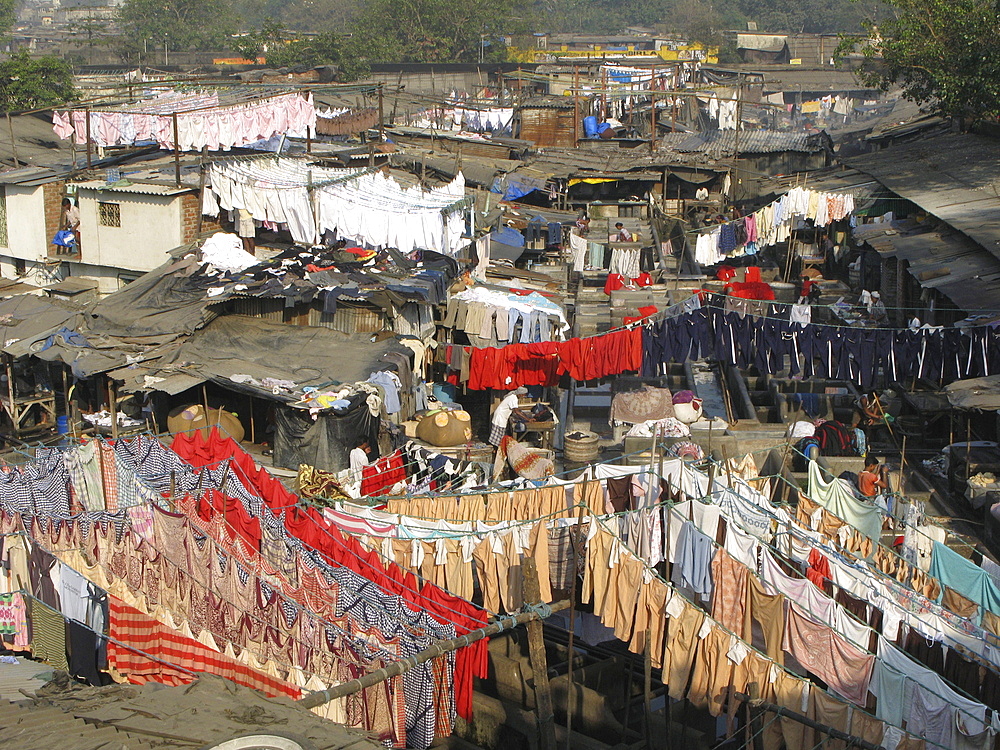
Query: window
[109,214]
[3,216]
[20,266]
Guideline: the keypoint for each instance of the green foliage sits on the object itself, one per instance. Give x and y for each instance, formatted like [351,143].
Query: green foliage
[30,82]
[437,30]
[305,15]
[324,49]
[181,24]
[254,44]
[945,53]
[8,15]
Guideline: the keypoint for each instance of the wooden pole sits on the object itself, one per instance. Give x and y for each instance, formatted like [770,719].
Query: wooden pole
[576,106]
[15,422]
[309,140]
[89,146]
[114,408]
[570,650]
[756,727]
[652,111]
[177,153]
[647,691]
[381,115]
[539,665]
[13,141]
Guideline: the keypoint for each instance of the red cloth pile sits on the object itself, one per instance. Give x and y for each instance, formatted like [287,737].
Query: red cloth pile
[544,363]
[750,290]
[617,281]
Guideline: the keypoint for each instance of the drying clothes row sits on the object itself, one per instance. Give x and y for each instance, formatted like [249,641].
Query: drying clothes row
[213,125]
[493,316]
[545,363]
[771,224]
[365,207]
[853,354]
[282,549]
[832,637]
[479,120]
[805,630]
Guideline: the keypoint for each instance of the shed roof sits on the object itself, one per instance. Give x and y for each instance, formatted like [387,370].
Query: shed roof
[944,261]
[952,176]
[723,143]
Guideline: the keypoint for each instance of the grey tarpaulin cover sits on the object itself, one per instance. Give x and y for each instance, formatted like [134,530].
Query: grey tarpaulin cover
[307,355]
[27,319]
[163,301]
[975,393]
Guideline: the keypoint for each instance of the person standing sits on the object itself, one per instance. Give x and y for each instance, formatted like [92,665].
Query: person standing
[71,220]
[872,479]
[502,414]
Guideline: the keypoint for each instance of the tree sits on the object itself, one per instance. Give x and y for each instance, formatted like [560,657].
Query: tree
[31,82]
[437,30]
[329,48]
[8,15]
[180,24]
[944,53]
[252,45]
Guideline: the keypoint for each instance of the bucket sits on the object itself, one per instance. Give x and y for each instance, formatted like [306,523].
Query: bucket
[590,126]
[581,450]
[444,392]
[62,425]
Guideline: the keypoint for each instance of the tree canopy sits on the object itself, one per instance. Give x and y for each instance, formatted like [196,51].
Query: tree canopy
[30,82]
[945,53]
[437,30]
[181,24]
[8,15]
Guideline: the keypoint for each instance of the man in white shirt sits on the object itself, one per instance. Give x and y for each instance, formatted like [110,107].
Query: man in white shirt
[358,461]
[502,415]
[622,235]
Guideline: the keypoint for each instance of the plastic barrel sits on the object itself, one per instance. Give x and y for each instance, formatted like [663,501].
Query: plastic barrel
[62,425]
[590,126]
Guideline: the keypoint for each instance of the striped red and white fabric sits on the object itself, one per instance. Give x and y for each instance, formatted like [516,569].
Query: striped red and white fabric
[133,628]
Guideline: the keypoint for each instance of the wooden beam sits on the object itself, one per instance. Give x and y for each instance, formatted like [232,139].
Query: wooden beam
[539,665]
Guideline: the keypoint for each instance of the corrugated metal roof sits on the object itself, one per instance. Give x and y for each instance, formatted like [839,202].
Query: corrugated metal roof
[944,261]
[722,143]
[952,176]
[141,188]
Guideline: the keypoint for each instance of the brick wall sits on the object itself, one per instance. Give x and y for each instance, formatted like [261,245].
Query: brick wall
[52,196]
[190,211]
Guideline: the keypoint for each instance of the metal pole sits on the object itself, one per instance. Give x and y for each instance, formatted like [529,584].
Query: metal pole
[833,732]
[439,648]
